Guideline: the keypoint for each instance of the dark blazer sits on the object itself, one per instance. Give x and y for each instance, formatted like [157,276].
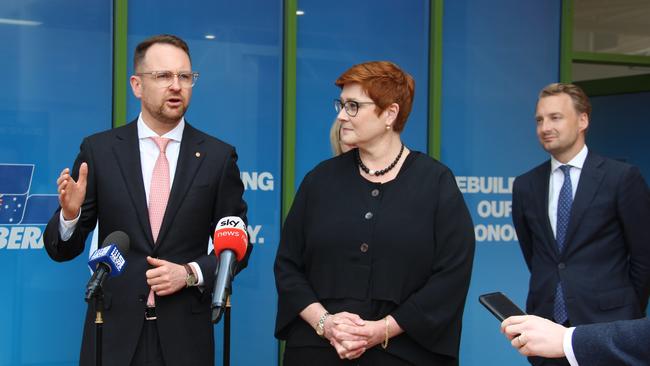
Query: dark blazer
[623,342]
[403,248]
[206,187]
[605,266]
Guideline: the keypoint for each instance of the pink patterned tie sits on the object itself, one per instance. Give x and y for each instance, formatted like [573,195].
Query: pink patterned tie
[158,195]
[159,188]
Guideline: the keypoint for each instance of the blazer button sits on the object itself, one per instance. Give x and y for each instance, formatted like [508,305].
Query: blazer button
[363,248]
[561,266]
[368,215]
[374,193]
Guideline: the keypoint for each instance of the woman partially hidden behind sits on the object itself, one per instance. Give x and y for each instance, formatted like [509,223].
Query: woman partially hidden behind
[375,256]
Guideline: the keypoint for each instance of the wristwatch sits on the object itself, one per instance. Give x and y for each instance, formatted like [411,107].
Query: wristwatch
[320,326]
[190,280]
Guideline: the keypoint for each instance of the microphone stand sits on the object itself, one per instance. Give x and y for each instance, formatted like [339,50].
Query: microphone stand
[226,333]
[99,325]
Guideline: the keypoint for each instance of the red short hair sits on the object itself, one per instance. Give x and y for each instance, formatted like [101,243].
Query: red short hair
[385,83]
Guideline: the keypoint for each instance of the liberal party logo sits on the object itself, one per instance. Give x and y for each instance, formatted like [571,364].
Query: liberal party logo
[22,215]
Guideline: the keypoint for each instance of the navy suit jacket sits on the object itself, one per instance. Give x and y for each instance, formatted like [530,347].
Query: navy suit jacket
[624,342]
[206,187]
[605,266]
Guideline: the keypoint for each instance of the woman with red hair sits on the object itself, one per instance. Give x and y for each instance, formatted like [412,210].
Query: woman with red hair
[375,256]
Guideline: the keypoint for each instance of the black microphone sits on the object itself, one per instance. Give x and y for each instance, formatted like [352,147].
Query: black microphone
[107,261]
[230,244]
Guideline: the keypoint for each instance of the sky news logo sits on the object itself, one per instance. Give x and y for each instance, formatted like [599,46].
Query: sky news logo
[22,216]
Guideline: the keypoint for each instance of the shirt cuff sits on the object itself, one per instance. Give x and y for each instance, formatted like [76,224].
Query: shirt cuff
[567,345]
[197,272]
[66,227]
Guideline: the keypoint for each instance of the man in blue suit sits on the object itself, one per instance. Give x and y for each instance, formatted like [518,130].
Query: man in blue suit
[582,223]
[623,342]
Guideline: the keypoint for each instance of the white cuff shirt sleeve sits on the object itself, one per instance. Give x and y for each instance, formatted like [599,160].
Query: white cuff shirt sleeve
[197,271]
[66,227]
[568,346]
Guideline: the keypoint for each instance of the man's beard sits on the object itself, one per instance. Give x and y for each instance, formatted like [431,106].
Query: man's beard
[171,116]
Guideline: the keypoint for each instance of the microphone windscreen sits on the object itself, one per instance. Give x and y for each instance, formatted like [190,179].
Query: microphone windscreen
[230,234]
[112,252]
[120,239]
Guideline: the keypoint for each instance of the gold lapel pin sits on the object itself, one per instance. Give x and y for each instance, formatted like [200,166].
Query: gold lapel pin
[197,154]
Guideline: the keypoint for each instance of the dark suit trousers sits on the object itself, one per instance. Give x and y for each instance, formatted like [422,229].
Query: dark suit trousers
[148,352]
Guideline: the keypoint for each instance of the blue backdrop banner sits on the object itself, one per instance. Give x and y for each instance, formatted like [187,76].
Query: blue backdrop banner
[496,58]
[57,62]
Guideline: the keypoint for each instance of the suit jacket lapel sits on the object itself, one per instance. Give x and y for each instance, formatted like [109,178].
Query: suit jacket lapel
[190,157]
[127,152]
[542,185]
[590,179]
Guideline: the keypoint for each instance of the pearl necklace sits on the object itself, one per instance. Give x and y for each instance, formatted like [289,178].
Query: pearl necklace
[377,173]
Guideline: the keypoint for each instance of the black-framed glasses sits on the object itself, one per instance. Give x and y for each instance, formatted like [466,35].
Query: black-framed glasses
[164,79]
[351,106]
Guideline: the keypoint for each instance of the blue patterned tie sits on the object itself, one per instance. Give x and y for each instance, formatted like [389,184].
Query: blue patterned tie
[564,203]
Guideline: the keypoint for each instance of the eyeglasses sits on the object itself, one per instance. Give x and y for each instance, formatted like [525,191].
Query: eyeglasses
[351,106]
[165,79]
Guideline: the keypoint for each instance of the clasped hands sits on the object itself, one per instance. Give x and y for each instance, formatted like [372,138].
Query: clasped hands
[351,336]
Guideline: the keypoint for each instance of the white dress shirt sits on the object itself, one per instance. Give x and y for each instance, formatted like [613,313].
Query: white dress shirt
[568,347]
[149,152]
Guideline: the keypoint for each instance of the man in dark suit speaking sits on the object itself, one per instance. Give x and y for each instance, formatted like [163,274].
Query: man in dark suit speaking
[582,223]
[166,184]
